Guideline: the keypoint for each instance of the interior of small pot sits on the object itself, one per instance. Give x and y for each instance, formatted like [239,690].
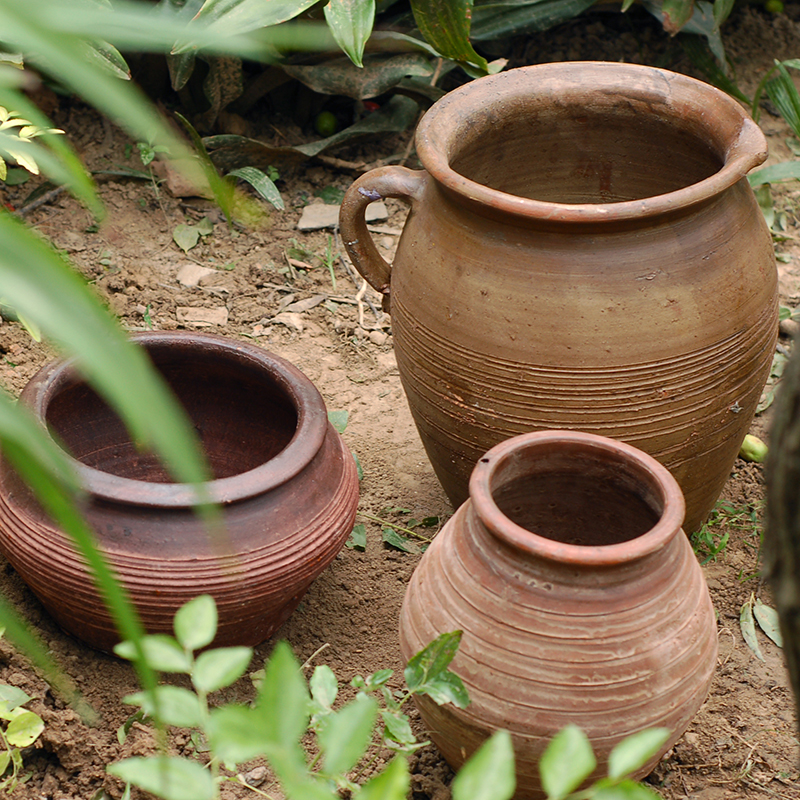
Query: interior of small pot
[243,416]
[569,151]
[576,495]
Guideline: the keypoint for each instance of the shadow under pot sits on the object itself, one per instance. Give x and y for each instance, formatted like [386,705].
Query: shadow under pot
[580,600]
[285,482]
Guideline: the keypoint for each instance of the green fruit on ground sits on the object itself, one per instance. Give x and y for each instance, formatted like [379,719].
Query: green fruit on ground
[753,449]
[325,123]
[774,6]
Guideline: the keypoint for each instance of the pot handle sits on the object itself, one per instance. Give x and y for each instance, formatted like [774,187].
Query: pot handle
[398,182]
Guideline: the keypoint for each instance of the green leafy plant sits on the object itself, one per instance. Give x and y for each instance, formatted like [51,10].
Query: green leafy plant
[568,761]
[284,710]
[19,729]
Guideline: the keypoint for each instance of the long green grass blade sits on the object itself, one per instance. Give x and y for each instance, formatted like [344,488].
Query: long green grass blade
[39,283]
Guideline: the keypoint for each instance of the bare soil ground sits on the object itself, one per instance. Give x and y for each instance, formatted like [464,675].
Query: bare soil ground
[742,743]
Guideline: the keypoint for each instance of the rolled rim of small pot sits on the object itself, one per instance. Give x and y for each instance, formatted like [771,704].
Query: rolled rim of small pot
[456,118]
[312,427]
[671,515]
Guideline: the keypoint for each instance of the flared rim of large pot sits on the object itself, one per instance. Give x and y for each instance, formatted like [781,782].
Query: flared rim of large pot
[309,435]
[671,499]
[741,143]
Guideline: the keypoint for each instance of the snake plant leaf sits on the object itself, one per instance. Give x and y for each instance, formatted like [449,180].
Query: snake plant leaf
[497,19]
[446,25]
[351,23]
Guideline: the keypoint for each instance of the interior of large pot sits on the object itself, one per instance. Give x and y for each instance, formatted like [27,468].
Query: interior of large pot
[573,152]
[243,414]
[576,494]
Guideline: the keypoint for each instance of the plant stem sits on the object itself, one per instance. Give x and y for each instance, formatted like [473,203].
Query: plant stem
[400,528]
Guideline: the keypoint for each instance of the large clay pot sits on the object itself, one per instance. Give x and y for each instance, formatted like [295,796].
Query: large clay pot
[580,599]
[285,481]
[583,251]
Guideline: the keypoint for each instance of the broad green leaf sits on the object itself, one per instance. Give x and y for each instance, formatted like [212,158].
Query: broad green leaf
[566,763]
[5,760]
[106,57]
[12,697]
[172,705]
[722,10]
[351,22]
[445,24]
[391,784]
[195,622]
[346,734]
[676,13]
[635,751]
[446,688]
[378,678]
[283,697]
[324,686]
[764,198]
[185,236]
[161,652]
[358,538]
[265,187]
[785,171]
[625,790]
[168,777]
[398,728]
[495,19]
[748,626]
[222,667]
[432,660]
[339,419]
[394,539]
[768,621]
[236,734]
[248,15]
[24,729]
[489,773]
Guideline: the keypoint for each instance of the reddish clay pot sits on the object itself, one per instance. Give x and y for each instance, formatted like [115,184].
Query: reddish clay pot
[580,599]
[286,483]
[583,251]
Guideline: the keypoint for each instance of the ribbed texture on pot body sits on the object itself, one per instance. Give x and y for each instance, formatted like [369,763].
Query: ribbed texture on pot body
[660,336]
[274,542]
[613,649]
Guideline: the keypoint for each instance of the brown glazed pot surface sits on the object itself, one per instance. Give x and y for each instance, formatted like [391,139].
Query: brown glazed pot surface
[580,599]
[583,252]
[285,481]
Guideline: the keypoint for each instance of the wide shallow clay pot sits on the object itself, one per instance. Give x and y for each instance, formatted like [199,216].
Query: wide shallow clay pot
[286,484]
[583,251]
[580,599]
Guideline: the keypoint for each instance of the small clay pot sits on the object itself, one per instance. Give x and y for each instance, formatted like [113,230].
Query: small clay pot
[580,599]
[285,481]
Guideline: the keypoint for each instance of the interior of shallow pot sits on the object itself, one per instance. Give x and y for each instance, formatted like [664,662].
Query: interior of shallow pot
[570,152]
[242,415]
[577,496]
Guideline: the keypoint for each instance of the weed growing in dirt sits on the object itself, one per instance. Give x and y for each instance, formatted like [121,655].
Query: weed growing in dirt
[20,728]
[712,539]
[283,712]
[287,709]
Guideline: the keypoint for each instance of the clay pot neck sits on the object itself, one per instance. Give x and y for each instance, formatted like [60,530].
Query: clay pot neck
[588,142]
[576,498]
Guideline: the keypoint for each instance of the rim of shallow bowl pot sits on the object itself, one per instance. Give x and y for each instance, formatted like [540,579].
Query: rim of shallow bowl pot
[312,425]
[668,525]
[442,130]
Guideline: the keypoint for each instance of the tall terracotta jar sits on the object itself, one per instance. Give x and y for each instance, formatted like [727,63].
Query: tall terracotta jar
[580,599]
[583,251]
[284,479]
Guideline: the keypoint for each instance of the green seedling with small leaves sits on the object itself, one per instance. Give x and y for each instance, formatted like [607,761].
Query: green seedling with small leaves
[285,710]
[19,728]
[568,761]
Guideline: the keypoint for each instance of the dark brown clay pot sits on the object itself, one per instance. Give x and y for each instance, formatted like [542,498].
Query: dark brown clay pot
[580,599]
[286,483]
[583,251]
